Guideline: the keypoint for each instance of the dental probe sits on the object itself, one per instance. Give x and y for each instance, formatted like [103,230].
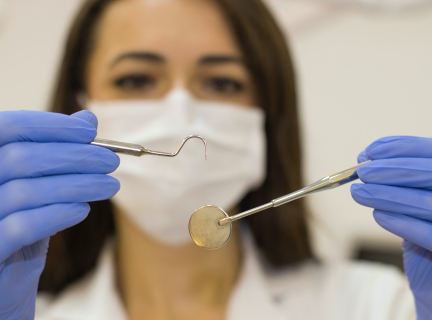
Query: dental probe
[210,226]
[138,150]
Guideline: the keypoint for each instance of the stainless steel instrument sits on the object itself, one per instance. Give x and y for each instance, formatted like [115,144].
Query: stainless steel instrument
[210,226]
[138,150]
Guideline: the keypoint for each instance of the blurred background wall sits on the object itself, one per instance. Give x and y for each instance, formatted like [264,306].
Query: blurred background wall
[364,71]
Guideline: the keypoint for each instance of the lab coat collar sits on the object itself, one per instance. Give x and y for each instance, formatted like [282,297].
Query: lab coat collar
[97,296]
[251,298]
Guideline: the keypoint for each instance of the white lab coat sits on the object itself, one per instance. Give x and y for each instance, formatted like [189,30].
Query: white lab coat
[311,291]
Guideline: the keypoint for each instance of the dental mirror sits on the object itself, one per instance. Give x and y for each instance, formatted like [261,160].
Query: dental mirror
[205,230]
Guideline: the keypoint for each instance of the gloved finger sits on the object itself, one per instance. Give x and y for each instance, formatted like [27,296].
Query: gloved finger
[415,230]
[412,202]
[25,194]
[362,157]
[31,160]
[400,147]
[86,116]
[26,227]
[404,172]
[40,126]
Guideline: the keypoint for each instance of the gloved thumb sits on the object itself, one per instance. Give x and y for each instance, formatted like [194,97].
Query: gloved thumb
[362,157]
[86,116]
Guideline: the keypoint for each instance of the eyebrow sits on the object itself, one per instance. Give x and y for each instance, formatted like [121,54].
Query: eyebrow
[155,57]
[216,59]
[141,55]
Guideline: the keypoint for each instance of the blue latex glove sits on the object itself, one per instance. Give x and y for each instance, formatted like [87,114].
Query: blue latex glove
[398,185]
[44,188]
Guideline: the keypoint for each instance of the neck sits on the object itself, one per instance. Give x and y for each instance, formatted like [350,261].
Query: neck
[163,282]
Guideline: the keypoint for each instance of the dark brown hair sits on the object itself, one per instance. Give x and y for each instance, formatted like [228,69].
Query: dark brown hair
[281,235]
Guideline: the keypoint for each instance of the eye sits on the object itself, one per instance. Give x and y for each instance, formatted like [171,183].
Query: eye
[135,82]
[223,85]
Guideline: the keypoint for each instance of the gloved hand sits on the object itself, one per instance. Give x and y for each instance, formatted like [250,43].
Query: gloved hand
[398,185]
[48,172]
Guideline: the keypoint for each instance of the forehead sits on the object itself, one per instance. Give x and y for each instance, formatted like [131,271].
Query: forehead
[175,28]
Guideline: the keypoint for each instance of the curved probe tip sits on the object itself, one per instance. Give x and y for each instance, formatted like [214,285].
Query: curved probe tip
[165,154]
[190,137]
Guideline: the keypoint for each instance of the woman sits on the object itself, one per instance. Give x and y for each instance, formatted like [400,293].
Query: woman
[152,72]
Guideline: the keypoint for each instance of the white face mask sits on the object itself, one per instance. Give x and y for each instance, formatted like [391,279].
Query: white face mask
[160,194]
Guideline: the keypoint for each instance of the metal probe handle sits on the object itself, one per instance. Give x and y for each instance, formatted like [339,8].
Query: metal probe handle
[120,147]
[329,182]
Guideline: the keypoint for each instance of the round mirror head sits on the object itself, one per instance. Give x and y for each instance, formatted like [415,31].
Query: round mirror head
[205,229]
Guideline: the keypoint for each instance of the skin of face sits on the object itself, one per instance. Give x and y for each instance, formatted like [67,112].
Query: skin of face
[142,50]
[145,48]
